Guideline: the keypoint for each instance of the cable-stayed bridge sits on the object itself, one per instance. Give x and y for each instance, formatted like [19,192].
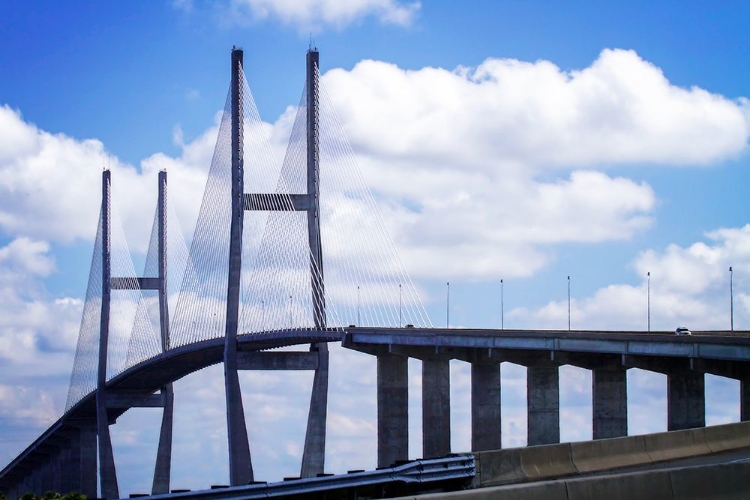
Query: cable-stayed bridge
[255,277]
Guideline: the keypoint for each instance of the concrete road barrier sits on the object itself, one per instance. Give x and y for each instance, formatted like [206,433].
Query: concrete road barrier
[542,491]
[676,444]
[724,481]
[541,462]
[519,465]
[728,437]
[652,485]
[538,463]
[606,454]
[499,467]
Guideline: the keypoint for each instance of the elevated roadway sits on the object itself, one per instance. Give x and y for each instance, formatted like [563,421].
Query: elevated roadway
[723,353]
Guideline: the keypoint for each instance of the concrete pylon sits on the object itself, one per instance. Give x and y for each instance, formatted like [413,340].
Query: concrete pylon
[313,458]
[543,400]
[240,465]
[436,408]
[107,471]
[686,400]
[610,403]
[486,425]
[393,408]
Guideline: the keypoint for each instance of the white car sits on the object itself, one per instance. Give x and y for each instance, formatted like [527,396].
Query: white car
[682,330]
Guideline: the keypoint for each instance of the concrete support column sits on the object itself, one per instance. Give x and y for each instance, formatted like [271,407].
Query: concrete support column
[543,400]
[45,478]
[313,457]
[610,403]
[56,470]
[88,461]
[26,485]
[70,467]
[36,480]
[163,466]
[436,408]
[485,407]
[12,491]
[393,409]
[686,401]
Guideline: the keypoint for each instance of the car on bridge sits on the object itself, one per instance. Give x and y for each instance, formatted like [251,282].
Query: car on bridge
[682,330]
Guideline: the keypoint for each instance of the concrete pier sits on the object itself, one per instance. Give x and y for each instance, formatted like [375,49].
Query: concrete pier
[436,408]
[485,407]
[686,400]
[745,400]
[313,456]
[543,400]
[610,403]
[393,409]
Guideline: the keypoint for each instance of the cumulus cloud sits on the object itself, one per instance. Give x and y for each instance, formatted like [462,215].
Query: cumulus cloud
[315,15]
[33,327]
[23,403]
[479,170]
[510,113]
[689,286]
[37,339]
[40,170]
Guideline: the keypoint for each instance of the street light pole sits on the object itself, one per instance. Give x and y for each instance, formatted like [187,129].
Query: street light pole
[359,323]
[731,298]
[400,303]
[502,305]
[648,274]
[568,303]
[448,305]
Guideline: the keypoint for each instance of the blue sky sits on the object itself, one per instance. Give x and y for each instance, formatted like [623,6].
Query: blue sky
[599,140]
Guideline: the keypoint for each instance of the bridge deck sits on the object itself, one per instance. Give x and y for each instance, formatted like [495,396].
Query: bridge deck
[150,375]
[722,345]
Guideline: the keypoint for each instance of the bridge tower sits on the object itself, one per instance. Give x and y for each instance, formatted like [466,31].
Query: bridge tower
[240,462]
[107,472]
[107,400]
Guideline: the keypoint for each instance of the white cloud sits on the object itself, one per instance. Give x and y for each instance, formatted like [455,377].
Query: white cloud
[35,164]
[479,170]
[689,286]
[458,160]
[22,403]
[313,15]
[512,114]
[37,334]
[25,255]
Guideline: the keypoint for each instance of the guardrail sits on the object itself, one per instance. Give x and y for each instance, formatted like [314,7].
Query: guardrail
[452,472]
[539,463]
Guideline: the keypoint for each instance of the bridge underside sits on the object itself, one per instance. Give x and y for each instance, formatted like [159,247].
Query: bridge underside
[684,360]
[64,459]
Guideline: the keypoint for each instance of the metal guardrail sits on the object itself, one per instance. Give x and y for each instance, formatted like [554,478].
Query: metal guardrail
[428,472]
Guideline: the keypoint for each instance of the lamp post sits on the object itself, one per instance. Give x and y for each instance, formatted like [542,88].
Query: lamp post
[648,276]
[568,303]
[448,305]
[502,305]
[359,323]
[400,303]
[731,299]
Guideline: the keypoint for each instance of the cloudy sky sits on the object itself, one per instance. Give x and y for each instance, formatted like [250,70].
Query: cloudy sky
[523,141]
